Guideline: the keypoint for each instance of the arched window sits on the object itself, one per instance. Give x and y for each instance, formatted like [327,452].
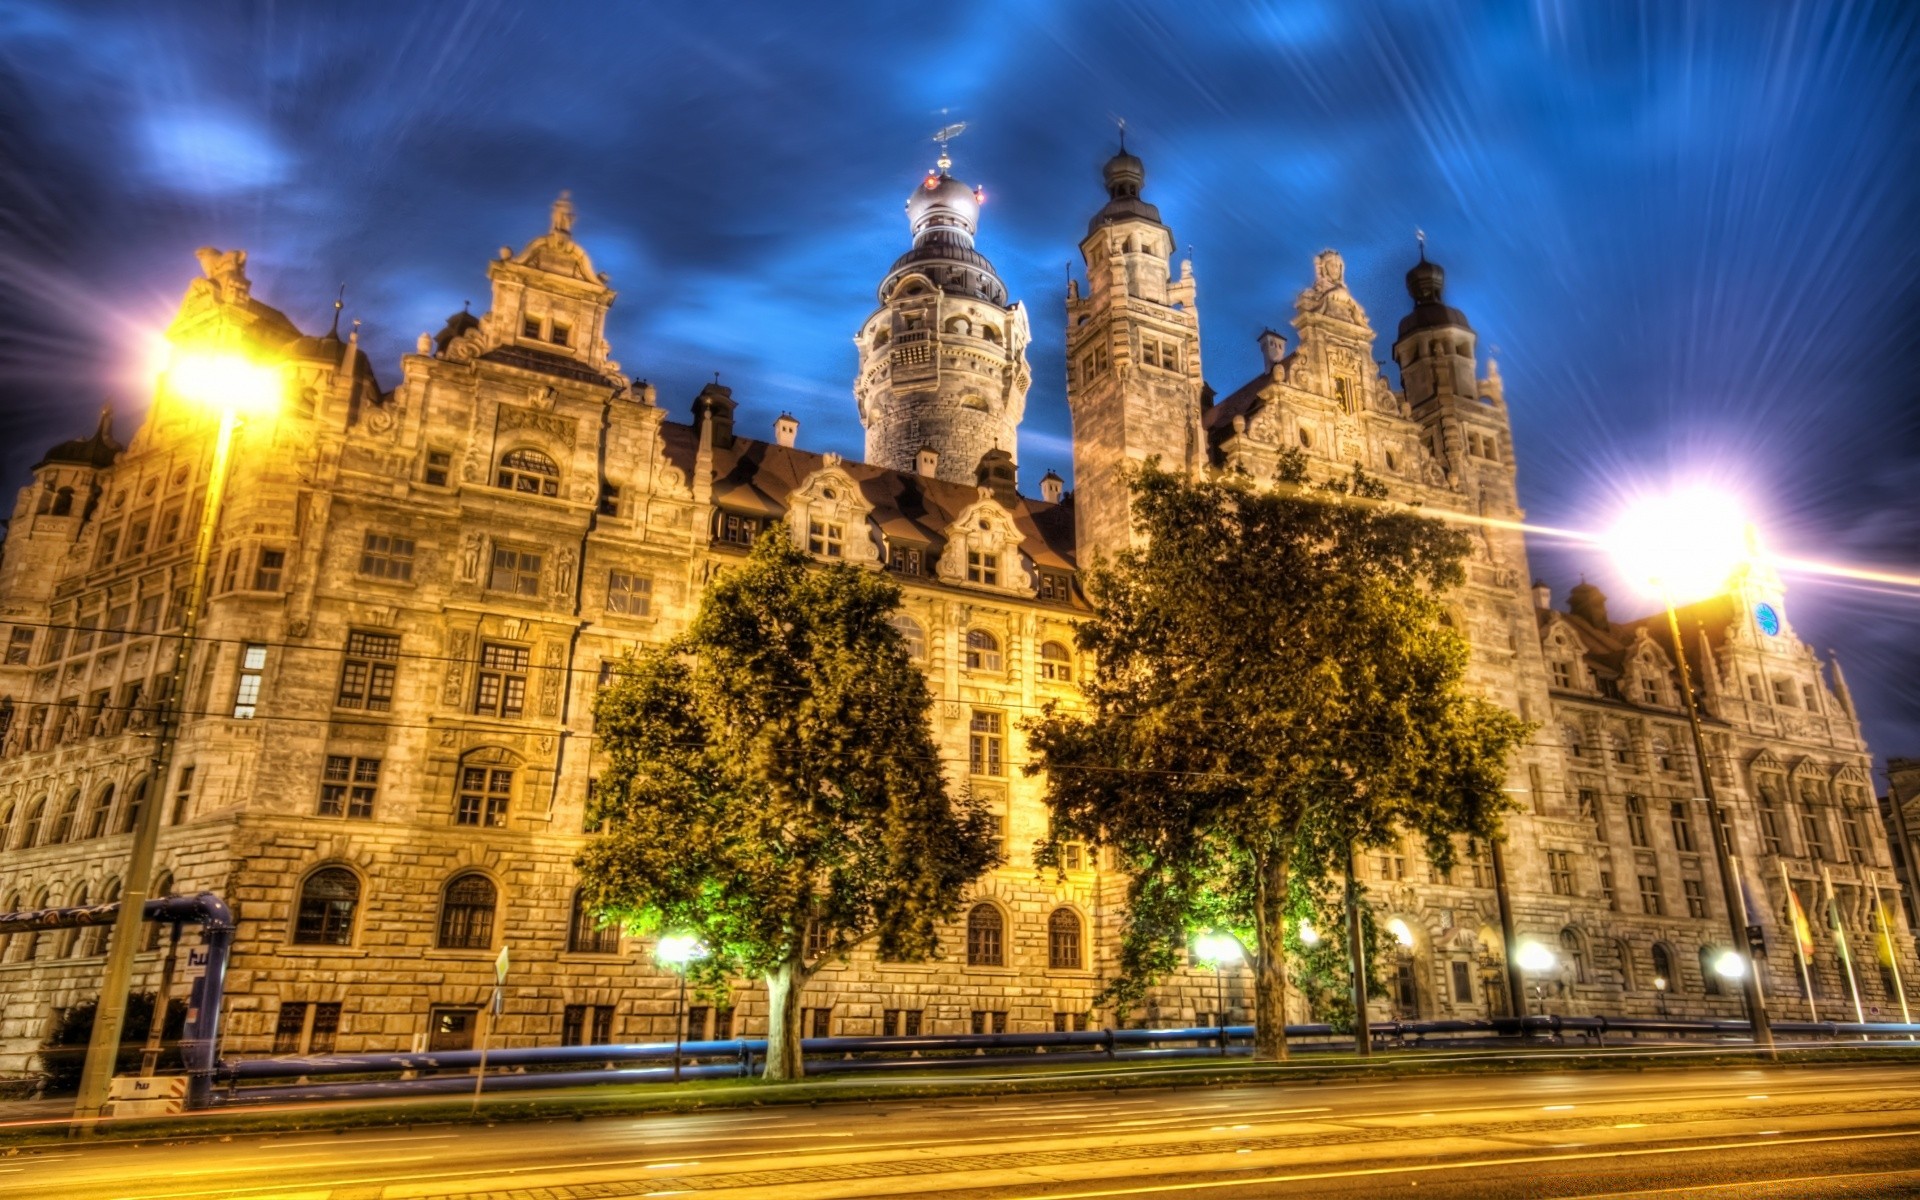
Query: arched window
[986,943]
[983,651]
[1624,953]
[914,636]
[1662,753]
[30,829]
[1709,978]
[6,827]
[881,337]
[991,333]
[327,902]
[466,913]
[1063,940]
[62,502]
[1055,663]
[130,815]
[585,932]
[1574,948]
[97,815]
[94,943]
[1662,967]
[70,938]
[8,943]
[528,471]
[62,827]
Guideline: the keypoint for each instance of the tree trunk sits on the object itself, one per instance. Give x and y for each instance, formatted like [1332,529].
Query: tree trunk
[1270,970]
[784,985]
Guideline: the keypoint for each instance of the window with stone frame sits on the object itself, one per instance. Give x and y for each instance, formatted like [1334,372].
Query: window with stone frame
[1682,822]
[119,616]
[905,560]
[986,940]
[986,744]
[826,539]
[1651,901]
[1637,820]
[528,472]
[900,1022]
[466,913]
[1055,586]
[1811,696]
[516,572]
[20,646]
[1663,753]
[386,556]
[268,568]
[1814,834]
[913,638]
[1560,872]
[1607,893]
[1649,690]
[500,686]
[146,614]
[439,468]
[484,797]
[451,1027]
[560,333]
[817,1022]
[1773,828]
[983,651]
[367,671]
[983,566]
[1592,813]
[324,913]
[587,933]
[348,785]
[988,1020]
[1696,893]
[306,1028]
[1783,693]
[1063,940]
[246,691]
[182,796]
[629,593]
[1056,665]
[586,1025]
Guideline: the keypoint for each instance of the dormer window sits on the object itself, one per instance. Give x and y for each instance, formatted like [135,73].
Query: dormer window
[826,539]
[737,530]
[1562,673]
[983,568]
[1649,691]
[528,471]
[904,560]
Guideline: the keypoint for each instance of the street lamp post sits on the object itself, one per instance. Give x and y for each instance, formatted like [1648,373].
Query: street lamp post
[1695,541]
[233,385]
[1219,950]
[1536,960]
[1660,988]
[676,951]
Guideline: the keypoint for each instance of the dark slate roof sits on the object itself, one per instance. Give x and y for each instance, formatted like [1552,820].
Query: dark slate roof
[97,451]
[755,478]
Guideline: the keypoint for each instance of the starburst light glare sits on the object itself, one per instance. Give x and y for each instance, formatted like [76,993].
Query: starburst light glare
[223,380]
[677,949]
[1308,934]
[1217,948]
[1686,544]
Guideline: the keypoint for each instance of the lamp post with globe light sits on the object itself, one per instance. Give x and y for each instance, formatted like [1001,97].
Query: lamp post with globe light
[1686,546]
[1219,950]
[1660,988]
[676,950]
[1536,960]
[235,385]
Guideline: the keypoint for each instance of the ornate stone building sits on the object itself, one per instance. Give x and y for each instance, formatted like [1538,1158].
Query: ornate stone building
[418,585]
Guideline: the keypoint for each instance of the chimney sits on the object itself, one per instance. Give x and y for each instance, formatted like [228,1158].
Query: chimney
[786,429]
[1542,595]
[1050,487]
[927,462]
[1273,347]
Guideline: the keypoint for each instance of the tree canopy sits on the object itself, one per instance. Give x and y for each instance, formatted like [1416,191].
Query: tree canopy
[773,787]
[1275,683]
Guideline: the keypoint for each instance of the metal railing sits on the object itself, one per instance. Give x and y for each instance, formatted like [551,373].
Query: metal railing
[349,1076]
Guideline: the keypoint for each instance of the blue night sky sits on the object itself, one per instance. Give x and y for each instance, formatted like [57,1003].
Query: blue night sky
[1689,229]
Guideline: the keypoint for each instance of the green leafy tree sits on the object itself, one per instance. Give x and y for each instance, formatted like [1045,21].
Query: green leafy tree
[773,787]
[1276,683]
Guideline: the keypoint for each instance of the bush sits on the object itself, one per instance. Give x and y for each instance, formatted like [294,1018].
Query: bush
[64,1054]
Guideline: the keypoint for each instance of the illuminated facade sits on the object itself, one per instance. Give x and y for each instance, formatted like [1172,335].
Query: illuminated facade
[418,587]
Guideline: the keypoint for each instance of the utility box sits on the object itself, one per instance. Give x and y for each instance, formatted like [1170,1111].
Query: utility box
[151,1096]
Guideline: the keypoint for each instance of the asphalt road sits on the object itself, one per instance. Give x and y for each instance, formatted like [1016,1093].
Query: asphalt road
[1729,1132]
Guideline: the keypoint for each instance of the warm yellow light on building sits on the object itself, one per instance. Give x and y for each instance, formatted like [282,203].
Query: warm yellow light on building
[1687,544]
[223,380]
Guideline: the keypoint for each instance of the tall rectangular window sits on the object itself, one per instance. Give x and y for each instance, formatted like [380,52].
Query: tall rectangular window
[289,1026]
[348,785]
[1850,834]
[439,465]
[267,571]
[1606,891]
[501,690]
[983,568]
[817,1022]
[515,571]
[137,534]
[118,618]
[182,797]
[1682,827]
[1591,812]
[629,593]
[1462,983]
[1812,697]
[246,692]
[1560,872]
[1650,901]
[900,1022]
[989,1021]
[484,794]
[146,615]
[586,1025]
[986,743]
[169,528]
[904,560]
[385,556]
[1696,893]
[19,646]
[367,672]
[326,1028]
[1815,835]
[1637,821]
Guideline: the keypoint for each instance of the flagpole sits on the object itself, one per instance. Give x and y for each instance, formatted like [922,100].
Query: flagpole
[1892,951]
[1799,921]
[1840,939]
[1747,913]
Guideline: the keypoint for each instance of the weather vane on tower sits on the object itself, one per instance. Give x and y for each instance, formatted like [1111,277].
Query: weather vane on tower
[946,134]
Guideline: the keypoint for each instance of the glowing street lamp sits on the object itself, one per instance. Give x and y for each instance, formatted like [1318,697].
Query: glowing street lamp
[1221,951]
[1536,960]
[234,385]
[1686,547]
[676,950]
[1730,965]
[1660,986]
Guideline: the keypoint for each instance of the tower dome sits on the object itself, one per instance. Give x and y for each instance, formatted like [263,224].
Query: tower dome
[943,214]
[1426,283]
[1125,175]
[942,202]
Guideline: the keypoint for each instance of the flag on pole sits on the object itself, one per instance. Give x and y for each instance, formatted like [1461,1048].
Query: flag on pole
[1883,939]
[1802,931]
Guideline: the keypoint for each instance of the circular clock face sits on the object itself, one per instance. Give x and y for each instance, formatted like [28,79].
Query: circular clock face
[1769,618]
